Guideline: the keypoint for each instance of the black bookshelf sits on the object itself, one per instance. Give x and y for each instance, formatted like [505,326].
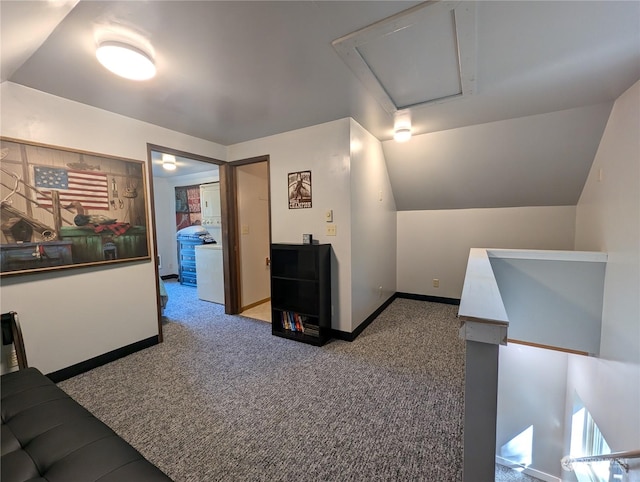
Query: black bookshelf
[301,292]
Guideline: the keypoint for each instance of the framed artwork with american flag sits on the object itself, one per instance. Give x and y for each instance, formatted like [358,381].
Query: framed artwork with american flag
[62,208]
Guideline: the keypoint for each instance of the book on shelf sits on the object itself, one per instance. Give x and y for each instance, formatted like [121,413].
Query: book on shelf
[297,325]
[284,319]
[295,322]
[312,330]
[288,321]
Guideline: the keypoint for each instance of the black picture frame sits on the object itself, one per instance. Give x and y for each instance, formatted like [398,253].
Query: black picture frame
[299,189]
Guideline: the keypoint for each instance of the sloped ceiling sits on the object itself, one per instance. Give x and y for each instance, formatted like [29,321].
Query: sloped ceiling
[546,75]
[540,160]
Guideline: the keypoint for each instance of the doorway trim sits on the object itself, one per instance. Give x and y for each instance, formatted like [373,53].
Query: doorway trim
[232,295]
[223,208]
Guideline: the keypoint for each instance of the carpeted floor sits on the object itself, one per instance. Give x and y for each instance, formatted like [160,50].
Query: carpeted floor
[223,399]
[506,474]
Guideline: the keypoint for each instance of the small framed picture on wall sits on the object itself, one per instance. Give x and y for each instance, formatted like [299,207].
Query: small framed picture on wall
[299,185]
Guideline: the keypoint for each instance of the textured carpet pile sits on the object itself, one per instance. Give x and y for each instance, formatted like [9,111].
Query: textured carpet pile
[223,400]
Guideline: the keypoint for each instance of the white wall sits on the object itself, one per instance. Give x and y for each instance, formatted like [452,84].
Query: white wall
[165,222]
[531,392]
[165,209]
[608,219]
[436,244]
[72,315]
[373,226]
[252,181]
[323,149]
[552,302]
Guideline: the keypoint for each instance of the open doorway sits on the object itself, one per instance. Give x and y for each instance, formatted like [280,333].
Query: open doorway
[245,232]
[252,187]
[177,209]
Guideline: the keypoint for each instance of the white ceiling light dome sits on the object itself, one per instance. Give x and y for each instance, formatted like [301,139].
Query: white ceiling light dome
[126,60]
[169,162]
[402,126]
[402,134]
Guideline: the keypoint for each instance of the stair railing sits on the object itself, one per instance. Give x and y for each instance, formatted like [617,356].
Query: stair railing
[614,458]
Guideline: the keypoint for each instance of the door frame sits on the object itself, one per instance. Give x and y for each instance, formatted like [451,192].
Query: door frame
[222,169]
[231,258]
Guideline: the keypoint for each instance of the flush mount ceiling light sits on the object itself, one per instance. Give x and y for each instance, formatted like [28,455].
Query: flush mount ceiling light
[402,126]
[126,60]
[402,135]
[169,162]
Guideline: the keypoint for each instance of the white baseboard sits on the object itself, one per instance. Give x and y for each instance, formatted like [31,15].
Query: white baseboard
[528,470]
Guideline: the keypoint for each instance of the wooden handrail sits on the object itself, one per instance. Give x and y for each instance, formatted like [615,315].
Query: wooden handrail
[548,347]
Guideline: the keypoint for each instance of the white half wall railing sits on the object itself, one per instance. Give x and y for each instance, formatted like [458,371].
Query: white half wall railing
[484,325]
[551,299]
[548,299]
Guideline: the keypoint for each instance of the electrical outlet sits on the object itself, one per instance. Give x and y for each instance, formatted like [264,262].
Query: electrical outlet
[436,283]
[245,229]
[331,229]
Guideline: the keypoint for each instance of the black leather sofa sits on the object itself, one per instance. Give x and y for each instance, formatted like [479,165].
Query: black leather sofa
[47,436]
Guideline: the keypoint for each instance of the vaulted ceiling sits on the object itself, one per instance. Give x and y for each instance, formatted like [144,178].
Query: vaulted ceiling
[512,119]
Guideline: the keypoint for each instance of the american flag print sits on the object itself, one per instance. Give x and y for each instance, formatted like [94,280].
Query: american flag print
[91,189]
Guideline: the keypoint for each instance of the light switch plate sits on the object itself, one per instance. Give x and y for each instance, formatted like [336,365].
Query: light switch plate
[328,216]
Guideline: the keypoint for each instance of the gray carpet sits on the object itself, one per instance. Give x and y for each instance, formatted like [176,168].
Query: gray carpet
[223,399]
[506,474]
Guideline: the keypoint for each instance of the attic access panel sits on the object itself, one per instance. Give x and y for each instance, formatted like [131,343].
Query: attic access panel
[423,55]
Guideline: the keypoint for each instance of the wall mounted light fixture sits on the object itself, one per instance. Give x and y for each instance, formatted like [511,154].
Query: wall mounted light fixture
[402,125]
[126,60]
[169,162]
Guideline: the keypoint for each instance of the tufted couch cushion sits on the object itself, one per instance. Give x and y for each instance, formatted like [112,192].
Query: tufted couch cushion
[47,436]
